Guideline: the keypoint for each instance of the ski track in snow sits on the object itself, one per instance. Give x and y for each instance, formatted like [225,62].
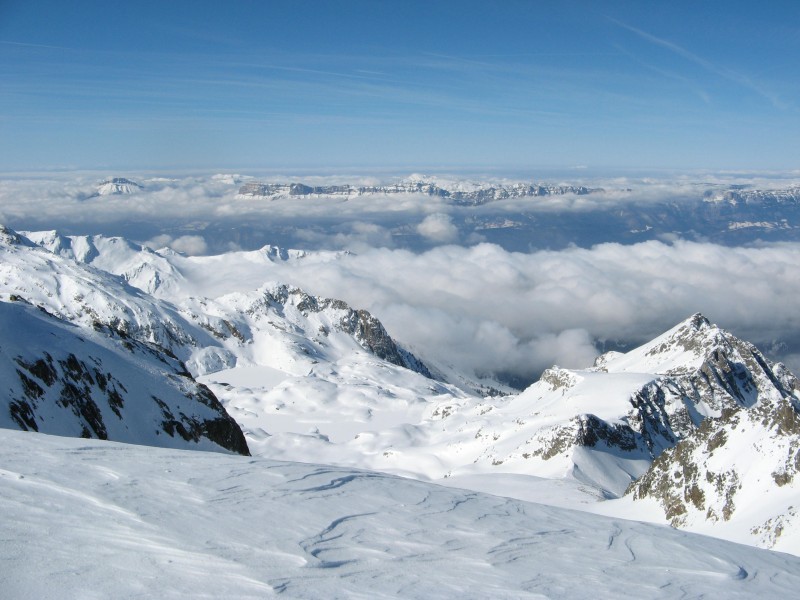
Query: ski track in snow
[98,520]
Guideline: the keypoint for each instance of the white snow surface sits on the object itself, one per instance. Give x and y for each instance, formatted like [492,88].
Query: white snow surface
[90,519]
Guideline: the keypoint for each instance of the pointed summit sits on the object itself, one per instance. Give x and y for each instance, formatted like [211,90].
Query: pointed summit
[680,350]
[698,321]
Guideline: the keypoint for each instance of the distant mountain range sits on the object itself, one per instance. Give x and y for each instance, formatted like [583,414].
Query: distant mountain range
[479,195]
[738,196]
[552,215]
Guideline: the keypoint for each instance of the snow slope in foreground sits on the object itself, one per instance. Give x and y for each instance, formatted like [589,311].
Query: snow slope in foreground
[83,518]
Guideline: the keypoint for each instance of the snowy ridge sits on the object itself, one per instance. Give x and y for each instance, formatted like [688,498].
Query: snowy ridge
[85,295]
[735,197]
[99,383]
[138,265]
[312,531]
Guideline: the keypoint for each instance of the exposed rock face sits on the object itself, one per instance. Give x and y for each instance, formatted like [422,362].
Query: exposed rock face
[747,452]
[102,384]
[471,197]
[737,438]
[370,332]
[750,446]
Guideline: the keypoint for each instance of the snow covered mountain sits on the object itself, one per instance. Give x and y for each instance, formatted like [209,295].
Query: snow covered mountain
[277,328]
[739,195]
[117,186]
[605,425]
[83,518]
[206,333]
[737,467]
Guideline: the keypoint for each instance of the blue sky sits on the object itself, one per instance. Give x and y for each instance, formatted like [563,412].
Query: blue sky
[399,84]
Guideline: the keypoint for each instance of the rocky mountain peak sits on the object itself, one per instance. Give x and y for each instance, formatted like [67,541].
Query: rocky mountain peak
[9,236]
[367,330]
[679,351]
[740,438]
[639,404]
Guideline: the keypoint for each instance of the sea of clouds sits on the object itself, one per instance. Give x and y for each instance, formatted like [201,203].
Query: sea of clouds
[439,281]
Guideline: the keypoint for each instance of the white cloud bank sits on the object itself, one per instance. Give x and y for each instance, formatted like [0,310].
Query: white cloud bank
[438,227]
[485,309]
[481,307]
[191,245]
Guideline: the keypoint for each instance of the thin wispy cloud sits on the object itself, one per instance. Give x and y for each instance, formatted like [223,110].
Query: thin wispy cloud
[29,45]
[726,73]
[438,93]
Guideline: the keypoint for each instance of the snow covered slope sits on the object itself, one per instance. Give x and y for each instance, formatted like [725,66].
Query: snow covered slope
[88,519]
[138,265]
[61,379]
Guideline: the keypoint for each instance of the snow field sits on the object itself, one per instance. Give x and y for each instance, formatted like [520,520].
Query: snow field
[135,521]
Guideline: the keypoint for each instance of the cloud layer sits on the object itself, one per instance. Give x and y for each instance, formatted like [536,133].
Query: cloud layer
[481,307]
[209,207]
[486,310]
